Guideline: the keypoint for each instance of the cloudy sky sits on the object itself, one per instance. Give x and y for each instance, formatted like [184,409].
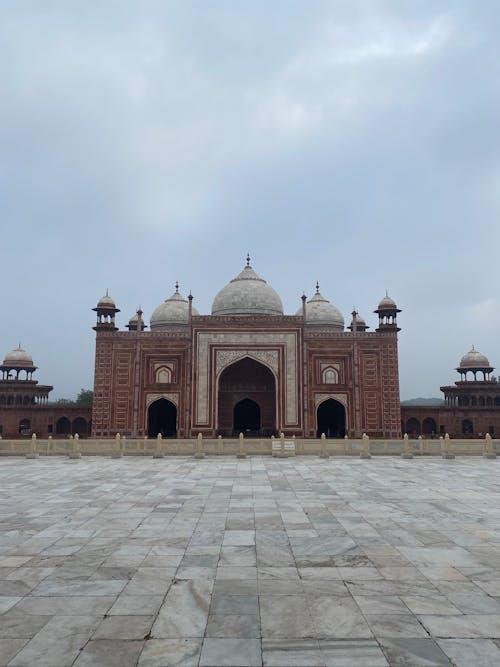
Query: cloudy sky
[352,142]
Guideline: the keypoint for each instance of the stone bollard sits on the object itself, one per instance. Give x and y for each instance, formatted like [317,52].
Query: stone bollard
[365,448]
[446,448]
[323,452]
[346,443]
[74,453]
[294,449]
[241,452]
[199,454]
[49,445]
[117,452]
[158,453]
[489,449]
[220,446]
[407,454]
[281,453]
[420,445]
[32,453]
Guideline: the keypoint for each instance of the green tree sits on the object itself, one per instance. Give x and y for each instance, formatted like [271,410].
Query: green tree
[85,397]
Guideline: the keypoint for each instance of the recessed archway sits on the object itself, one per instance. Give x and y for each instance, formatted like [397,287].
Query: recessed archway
[331,419]
[63,426]
[429,426]
[162,418]
[246,399]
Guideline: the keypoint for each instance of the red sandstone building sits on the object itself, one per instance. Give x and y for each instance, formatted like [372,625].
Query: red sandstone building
[471,406]
[25,407]
[247,368]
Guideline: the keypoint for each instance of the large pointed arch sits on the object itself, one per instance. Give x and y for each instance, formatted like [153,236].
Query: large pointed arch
[162,418]
[252,385]
[331,419]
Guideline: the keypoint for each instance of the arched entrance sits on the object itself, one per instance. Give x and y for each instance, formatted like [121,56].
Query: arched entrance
[331,419]
[429,426]
[246,399]
[413,426]
[162,418]
[63,426]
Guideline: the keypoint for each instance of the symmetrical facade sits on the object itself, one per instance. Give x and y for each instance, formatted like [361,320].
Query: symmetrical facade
[247,367]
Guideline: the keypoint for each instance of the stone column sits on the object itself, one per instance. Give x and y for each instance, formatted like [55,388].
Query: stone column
[407,454]
[365,448]
[32,453]
[241,452]
[220,446]
[75,453]
[323,452]
[199,454]
[446,450]
[158,451]
[117,452]
[489,449]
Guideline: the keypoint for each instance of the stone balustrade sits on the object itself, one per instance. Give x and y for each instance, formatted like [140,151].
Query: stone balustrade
[201,446]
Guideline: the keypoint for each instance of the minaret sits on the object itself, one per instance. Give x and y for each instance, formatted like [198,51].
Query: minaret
[106,310]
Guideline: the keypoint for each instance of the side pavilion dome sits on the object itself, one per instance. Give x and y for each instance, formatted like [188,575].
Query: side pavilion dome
[247,294]
[173,311]
[319,311]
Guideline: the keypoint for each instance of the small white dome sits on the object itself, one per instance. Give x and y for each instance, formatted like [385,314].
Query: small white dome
[247,294]
[173,311]
[106,301]
[387,303]
[319,311]
[18,357]
[474,359]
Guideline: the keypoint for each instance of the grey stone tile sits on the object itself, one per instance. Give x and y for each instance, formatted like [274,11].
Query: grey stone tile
[66,606]
[124,627]
[395,625]
[469,625]
[170,653]
[58,643]
[142,605]
[230,653]
[9,648]
[237,626]
[285,616]
[109,653]
[185,610]
[414,653]
[337,618]
[352,653]
[467,652]
[234,604]
[19,625]
[292,653]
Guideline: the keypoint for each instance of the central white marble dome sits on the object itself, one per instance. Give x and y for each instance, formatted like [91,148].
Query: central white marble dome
[247,294]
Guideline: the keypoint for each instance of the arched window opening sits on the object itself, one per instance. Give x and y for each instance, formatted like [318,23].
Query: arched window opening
[467,427]
[63,426]
[413,427]
[79,426]
[164,375]
[25,427]
[330,375]
[331,419]
[429,426]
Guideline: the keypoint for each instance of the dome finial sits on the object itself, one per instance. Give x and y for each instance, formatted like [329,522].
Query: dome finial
[248,259]
[107,292]
[177,287]
[317,287]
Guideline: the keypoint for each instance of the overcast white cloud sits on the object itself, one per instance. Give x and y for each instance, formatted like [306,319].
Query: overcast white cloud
[352,142]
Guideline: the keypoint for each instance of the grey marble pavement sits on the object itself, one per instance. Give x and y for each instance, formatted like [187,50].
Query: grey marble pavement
[298,562]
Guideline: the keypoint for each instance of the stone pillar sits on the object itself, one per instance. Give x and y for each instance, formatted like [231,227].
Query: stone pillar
[365,448]
[241,452]
[32,453]
[117,452]
[199,454]
[407,454]
[446,451]
[158,454]
[489,449]
[323,452]
[75,453]
[220,446]
[49,444]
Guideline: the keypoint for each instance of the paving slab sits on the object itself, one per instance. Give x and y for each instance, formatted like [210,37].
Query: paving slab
[296,562]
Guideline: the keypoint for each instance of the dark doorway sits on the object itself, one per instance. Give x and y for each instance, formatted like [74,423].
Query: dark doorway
[467,427]
[246,416]
[79,426]
[162,418]
[429,426]
[246,400]
[331,419]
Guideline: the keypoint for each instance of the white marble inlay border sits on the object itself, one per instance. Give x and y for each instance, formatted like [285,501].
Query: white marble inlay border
[245,339]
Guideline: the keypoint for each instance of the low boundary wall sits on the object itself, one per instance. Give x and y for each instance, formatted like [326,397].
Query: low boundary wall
[231,446]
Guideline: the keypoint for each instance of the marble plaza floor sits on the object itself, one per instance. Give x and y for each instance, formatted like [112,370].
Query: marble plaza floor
[345,563]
